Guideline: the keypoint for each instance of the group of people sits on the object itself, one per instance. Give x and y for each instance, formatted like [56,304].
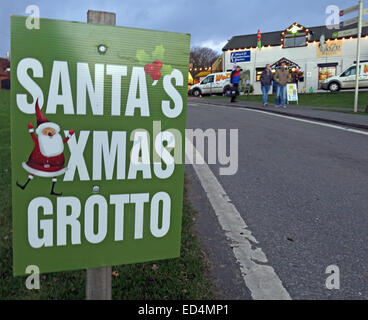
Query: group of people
[281,78]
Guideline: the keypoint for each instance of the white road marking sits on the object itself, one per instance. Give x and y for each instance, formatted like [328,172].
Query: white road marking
[296,119]
[260,278]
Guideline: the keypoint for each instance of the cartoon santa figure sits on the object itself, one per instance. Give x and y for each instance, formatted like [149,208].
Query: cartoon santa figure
[47,157]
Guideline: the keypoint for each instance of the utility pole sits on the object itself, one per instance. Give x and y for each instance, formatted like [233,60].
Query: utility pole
[98,280]
[357,72]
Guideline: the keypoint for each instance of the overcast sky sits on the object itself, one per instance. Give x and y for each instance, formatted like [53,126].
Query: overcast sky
[210,22]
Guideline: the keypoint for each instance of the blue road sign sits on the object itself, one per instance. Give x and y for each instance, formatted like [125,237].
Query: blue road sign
[240,56]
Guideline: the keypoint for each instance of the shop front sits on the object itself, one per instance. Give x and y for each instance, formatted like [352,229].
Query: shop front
[325,71]
[311,54]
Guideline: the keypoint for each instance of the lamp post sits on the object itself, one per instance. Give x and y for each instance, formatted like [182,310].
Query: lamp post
[357,69]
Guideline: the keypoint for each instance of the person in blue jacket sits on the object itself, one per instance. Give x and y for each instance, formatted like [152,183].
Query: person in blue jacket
[235,80]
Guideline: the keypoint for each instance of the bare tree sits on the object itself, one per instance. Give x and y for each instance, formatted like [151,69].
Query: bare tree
[202,57]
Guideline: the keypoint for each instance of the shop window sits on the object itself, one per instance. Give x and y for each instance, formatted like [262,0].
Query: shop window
[293,41]
[325,72]
[295,36]
[301,40]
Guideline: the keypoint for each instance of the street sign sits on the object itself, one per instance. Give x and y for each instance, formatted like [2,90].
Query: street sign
[97,120]
[349,22]
[240,56]
[349,10]
[345,33]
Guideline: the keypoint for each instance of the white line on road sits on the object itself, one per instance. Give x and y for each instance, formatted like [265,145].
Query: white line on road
[297,119]
[260,278]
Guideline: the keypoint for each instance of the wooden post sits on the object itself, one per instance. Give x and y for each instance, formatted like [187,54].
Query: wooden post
[98,284]
[101,17]
[98,280]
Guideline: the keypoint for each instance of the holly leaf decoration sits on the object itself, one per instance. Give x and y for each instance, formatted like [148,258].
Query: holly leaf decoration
[158,53]
[166,69]
[142,56]
[153,65]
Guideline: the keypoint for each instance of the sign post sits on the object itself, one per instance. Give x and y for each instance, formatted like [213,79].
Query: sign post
[98,280]
[357,72]
[98,115]
[350,32]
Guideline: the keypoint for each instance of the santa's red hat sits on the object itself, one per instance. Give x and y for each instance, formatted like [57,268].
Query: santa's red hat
[42,121]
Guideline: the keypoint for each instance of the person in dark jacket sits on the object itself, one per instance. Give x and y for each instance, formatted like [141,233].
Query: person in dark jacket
[266,81]
[234,82]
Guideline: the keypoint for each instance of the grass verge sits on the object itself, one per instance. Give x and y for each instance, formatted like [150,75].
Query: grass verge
[182,278]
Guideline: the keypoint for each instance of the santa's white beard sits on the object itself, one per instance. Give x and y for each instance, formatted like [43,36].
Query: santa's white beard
[51,146]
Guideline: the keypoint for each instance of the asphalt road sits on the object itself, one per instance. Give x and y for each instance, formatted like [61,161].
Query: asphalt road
[302,190]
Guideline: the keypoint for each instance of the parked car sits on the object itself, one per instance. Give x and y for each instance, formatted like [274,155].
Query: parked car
[216,83]
[346,80]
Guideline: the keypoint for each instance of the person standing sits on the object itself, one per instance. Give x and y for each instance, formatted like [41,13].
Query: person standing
[234,82]
[266,81]
[281,77]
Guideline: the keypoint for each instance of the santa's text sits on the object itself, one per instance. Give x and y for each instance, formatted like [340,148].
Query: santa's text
[60,81]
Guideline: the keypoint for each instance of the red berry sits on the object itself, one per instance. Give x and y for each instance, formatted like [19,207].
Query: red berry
[148,68]
[156,75]
[154,68]
[157,64]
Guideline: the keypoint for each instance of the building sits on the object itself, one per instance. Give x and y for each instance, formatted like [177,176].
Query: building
[198,77]
[199,73]
[4,73]
[217,65]
[312,54]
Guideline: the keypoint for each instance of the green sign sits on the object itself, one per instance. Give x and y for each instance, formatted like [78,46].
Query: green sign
[97,124]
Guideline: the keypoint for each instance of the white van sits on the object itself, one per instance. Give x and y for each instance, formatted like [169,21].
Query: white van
[213,83]
[346,80]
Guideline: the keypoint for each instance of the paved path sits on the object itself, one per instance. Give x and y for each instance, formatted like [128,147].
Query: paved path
[326,113]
